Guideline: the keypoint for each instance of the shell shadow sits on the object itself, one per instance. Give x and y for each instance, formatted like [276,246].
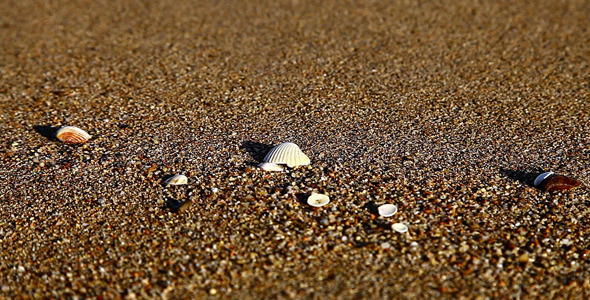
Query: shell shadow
[172,205]
[523,177]
[302,198]
[49,132]
[372,207]
[256,150]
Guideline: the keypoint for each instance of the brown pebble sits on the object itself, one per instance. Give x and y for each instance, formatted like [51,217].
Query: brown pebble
[558,183]
[185,206]
[524,258]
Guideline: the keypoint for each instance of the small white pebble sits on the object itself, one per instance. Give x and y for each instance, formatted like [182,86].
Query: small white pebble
[214,190]
[386,245]
[270,167]
[566,242]
[399,227]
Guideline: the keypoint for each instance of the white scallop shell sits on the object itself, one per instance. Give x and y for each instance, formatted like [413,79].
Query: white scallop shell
[271,167]
[387,210]
[542,177]
[399,227]
[318,200]
[288,154]
[177,180]
[72,135]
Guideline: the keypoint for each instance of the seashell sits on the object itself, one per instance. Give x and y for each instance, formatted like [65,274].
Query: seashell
[177,180]
[542,177]
[318,200]
[72,135]
[288,154]
[271,167]
[387,210]
[399,227]
[550,181]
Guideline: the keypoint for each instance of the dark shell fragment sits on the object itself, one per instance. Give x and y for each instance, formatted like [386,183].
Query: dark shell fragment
[558,183]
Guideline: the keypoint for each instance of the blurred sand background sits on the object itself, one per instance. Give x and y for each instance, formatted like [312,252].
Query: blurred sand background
[448,109]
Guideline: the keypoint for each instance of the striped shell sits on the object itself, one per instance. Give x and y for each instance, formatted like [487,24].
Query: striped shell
[72,135]
[318,200]
[177,180]
[288,154]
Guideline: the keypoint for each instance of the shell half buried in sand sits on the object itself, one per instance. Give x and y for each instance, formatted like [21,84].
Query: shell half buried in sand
[271,167]
[399,227]
[387,210]
[72,135]
[318,200]
[542,177]
[550,181]
[177,180]
[287,154]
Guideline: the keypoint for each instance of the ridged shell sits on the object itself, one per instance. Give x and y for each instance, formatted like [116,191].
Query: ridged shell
[288,154]
[177,180]
[318,200]
[72,135]
[399,227]
[387,210]
[271,167]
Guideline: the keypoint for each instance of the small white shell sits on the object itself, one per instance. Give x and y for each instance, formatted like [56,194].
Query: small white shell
[288,154]
[542,177]
[318,200]
[399,227]
[177,180]
[72,135]
[387,210]
[271,167]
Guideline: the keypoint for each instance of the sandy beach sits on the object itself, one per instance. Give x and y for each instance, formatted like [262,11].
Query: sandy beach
[447,109]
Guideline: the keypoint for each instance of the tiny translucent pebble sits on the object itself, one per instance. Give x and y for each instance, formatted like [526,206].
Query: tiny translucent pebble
[399,227]
[271,167]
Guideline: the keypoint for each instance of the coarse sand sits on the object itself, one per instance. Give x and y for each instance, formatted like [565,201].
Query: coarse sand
[447,109]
